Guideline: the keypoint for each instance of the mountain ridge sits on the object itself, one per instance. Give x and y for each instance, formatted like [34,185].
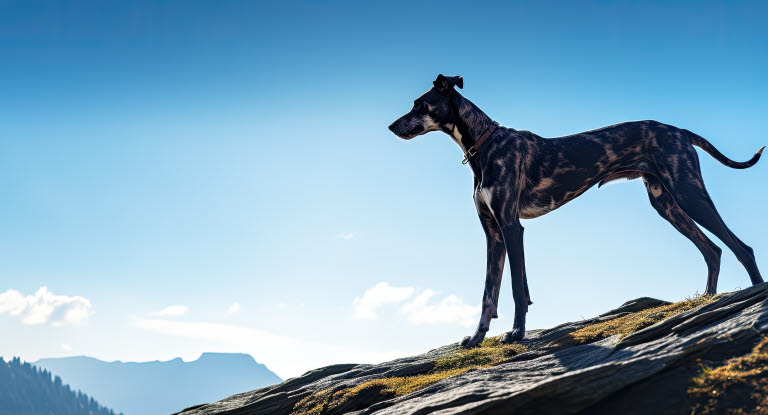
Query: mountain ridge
[161,386]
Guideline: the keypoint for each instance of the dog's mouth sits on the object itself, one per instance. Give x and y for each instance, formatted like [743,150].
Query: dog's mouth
[403,135]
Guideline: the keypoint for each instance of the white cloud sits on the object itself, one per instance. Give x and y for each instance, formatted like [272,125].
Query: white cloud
[377,296]
[451,310]
[347,235]
[420,310]
[234,308]
[171,311]
[66,347]
[44,306]
[285,355]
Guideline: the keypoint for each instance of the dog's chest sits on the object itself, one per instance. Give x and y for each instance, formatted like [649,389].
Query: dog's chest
[529,209]
[484,196]
[534,210]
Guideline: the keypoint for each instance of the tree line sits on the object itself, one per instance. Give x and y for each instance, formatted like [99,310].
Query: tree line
[27,390]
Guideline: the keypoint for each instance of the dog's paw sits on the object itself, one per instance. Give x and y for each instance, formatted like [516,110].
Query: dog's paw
[512,336]
[471,341]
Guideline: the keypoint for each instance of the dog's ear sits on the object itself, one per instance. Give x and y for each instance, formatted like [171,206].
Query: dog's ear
[444,84]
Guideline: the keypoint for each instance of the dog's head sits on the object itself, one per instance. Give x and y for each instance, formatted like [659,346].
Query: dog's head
[431,111]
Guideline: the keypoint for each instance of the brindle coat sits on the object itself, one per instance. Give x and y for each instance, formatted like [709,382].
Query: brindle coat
[519,174]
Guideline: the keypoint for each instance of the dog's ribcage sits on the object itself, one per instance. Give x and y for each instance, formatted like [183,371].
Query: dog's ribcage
[552,172]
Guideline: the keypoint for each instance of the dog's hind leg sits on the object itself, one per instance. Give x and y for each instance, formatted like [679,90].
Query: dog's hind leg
[662,200]
[681,174]
[696,202]
[496,252]
[679,169]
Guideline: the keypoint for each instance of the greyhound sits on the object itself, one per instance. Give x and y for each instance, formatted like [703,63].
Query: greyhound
[520,175]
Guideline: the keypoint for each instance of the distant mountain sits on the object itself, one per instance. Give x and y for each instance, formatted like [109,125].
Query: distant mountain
[27,390]
[161,388]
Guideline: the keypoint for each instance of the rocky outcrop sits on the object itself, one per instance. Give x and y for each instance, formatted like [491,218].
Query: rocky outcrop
[647,368]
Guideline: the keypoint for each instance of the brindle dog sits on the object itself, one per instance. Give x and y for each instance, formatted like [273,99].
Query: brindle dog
[521,175]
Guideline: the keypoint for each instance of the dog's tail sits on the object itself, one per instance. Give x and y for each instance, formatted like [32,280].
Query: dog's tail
[705,145]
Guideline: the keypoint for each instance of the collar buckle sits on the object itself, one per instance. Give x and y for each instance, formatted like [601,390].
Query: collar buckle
[471,152]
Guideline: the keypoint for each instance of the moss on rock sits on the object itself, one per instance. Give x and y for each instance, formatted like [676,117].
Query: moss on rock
[739,386]
[491,352]
[633,322]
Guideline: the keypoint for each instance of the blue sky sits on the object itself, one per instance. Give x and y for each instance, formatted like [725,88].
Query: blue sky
[201,154]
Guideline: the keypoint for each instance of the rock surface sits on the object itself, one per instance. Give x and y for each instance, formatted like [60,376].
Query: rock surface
[648,371]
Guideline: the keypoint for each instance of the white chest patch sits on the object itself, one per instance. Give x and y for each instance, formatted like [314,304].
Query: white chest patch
[485,195]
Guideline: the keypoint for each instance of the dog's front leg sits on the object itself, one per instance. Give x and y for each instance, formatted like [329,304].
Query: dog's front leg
[513,239]
[496,252]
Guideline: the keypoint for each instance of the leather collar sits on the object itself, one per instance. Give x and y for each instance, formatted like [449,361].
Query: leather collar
[472,151]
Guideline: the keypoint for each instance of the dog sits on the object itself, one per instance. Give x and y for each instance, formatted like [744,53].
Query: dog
[520,175]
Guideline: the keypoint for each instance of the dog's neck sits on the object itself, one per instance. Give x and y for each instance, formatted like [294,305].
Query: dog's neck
[468,122]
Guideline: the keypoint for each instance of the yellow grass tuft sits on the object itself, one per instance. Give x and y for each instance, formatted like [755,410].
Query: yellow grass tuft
[741,382]
[399,386]
[491,352]
[634,322]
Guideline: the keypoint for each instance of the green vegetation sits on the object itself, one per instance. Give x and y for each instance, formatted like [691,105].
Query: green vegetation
[491,352]
[738,387]
[633,322]
[26,390]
